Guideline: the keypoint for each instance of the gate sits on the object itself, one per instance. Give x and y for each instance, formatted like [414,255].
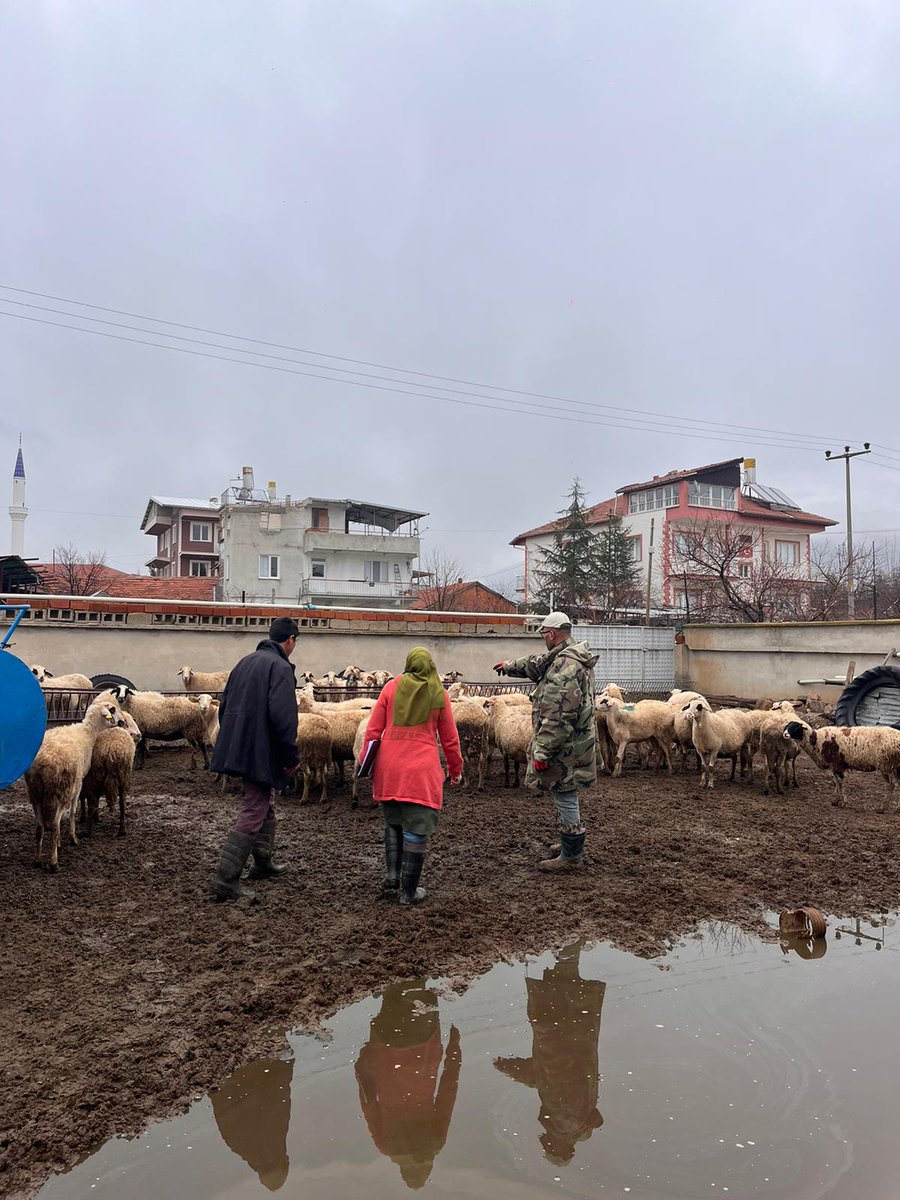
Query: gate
[639,658]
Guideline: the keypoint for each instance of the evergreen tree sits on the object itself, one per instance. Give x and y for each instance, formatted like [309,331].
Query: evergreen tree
[620,574]
[572,574]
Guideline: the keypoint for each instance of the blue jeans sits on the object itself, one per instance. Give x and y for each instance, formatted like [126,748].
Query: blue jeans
[568,814]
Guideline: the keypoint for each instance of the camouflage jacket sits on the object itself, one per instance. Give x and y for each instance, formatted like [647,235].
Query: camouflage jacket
[563,716]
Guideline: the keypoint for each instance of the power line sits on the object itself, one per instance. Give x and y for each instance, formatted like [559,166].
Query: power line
[630,412]
[512,407]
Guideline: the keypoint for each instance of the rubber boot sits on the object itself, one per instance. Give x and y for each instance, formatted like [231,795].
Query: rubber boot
[263,850]
[410,873]
[393,858]
[232,860]
[570,855]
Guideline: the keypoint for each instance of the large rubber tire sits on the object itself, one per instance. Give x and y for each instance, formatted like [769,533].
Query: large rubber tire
[101,682]
[873,698]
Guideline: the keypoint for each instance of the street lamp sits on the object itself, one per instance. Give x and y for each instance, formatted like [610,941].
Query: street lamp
[846,456]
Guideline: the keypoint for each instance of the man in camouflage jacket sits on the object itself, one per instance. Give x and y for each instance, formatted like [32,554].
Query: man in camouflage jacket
[563,755]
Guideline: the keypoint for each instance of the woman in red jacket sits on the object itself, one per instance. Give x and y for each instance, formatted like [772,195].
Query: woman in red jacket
[412,712]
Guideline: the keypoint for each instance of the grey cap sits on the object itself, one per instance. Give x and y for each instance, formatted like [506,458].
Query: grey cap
[555,620]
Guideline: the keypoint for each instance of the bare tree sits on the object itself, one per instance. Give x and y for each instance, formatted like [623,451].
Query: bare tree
[440,588]
[828,601]
[79,574]
[729,574]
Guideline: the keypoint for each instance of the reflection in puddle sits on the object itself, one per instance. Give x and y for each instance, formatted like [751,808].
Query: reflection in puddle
[730,1067]
[252,1109]
[406,1109]
[564,1014]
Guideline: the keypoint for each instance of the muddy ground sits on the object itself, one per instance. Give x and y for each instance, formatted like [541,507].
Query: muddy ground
[125,992]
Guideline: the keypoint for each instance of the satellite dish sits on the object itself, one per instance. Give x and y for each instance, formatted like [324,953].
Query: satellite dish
[23,718]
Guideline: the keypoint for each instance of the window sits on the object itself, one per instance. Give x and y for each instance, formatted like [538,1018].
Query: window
[376,572]
[201,531]
[318,568]
[661,497]
[788,553]
[710,495]
[745,545]
[744,570]
[200,568]
[634,547]
[268,566]
[320,518]
[688,544]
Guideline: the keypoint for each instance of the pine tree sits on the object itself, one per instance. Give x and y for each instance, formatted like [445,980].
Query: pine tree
[620,575]
[573,573]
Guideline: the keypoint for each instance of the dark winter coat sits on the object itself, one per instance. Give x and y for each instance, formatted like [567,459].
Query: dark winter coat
[563,716]
[258,718]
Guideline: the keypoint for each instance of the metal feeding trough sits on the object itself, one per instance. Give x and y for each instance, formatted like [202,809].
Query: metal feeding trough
[23,711]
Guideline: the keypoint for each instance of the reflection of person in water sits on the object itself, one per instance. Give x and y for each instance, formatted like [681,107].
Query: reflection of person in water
[564,1012]
[407,1111]
[253,1111]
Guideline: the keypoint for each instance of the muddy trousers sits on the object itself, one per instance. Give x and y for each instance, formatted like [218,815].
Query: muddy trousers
[257,807]
[568,812]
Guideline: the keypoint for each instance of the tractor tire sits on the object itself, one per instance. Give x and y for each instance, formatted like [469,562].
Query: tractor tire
[873,698]
[101,682]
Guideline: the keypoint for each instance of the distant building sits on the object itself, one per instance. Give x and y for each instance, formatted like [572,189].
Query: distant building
[18,513]
[771,526]
[94,579]
[463,596]
[187,537]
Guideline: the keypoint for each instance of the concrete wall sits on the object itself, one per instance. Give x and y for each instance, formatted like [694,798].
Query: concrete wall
[151,658]
[759,661]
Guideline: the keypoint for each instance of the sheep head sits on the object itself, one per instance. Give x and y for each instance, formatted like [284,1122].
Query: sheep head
[694,708]
[41,673]
[795,731]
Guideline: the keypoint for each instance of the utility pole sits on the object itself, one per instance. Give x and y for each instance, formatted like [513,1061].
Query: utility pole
[846,456]
[649,573]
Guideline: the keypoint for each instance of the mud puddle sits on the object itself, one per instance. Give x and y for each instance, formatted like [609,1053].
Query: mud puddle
[731,1067]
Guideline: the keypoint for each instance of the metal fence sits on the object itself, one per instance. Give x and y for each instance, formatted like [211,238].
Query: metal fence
[67,707]
[640,659]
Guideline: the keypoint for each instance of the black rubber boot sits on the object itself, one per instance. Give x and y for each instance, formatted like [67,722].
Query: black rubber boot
[263,850]
[571,853]
[410,873]
[232,860]
[393,858]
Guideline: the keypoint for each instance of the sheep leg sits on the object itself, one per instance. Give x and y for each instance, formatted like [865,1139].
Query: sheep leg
[666,753]
[710,765]
[838,781]
[889,780]
[73,811]
[38,840]
[354,789]
[307,773]
[620,756]
[322,772]
[121,830]
[53,864]
[482,759]
[794,770]
[506,770]
[734,759]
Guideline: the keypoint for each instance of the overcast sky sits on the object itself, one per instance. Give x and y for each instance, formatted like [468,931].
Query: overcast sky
[688,209]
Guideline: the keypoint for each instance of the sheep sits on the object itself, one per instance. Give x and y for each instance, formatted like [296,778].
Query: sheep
[778,755]
[456,690]
[840,749]
[203,681]
[344,720]
[376,678]
[329,680]
[352,675]
[725,732]
[314,750]
[307,703]
[473,723]
[112,761]
[170,718]
[54,779]
[511,731]
[50,682]
[651,720]
[359,743]
[451,677]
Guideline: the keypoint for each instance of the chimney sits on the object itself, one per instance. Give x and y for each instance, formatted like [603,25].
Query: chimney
[749,471]
[247,482]
[272,491]
[287,500]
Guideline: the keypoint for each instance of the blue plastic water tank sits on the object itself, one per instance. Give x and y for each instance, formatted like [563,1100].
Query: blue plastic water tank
[23,718]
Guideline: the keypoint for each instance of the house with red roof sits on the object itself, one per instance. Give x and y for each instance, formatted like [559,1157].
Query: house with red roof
[469,596]
[663,516]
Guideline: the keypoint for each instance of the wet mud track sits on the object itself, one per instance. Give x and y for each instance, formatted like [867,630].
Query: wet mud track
[125,992]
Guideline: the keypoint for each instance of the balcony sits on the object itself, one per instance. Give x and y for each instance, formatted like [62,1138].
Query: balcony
[358,589]
[360,543]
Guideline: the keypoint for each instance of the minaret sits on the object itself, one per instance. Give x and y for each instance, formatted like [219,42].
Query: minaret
[17,510]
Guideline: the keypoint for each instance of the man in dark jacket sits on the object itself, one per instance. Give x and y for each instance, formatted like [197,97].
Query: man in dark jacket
[258,741]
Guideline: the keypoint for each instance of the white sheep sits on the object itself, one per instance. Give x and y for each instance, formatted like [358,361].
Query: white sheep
[314,751]
[726,732]
[511,732]
[839,749]
[53,683]
[449,677]
[55,777]
[648,720]
[170,718]
[473,725]
[203,681]
[779,755]
[112,761]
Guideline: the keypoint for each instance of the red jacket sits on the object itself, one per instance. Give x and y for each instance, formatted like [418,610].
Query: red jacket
[408,767]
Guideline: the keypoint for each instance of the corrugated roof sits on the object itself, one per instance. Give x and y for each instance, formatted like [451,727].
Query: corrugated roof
[675,476]
[468,596]
[183,502]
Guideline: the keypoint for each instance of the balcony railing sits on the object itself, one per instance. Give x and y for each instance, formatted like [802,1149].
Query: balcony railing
[358,587]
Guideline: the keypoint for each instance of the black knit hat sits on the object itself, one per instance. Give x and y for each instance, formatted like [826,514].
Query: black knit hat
[283,628]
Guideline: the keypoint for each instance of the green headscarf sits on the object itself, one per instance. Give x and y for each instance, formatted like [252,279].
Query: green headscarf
[419,690]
